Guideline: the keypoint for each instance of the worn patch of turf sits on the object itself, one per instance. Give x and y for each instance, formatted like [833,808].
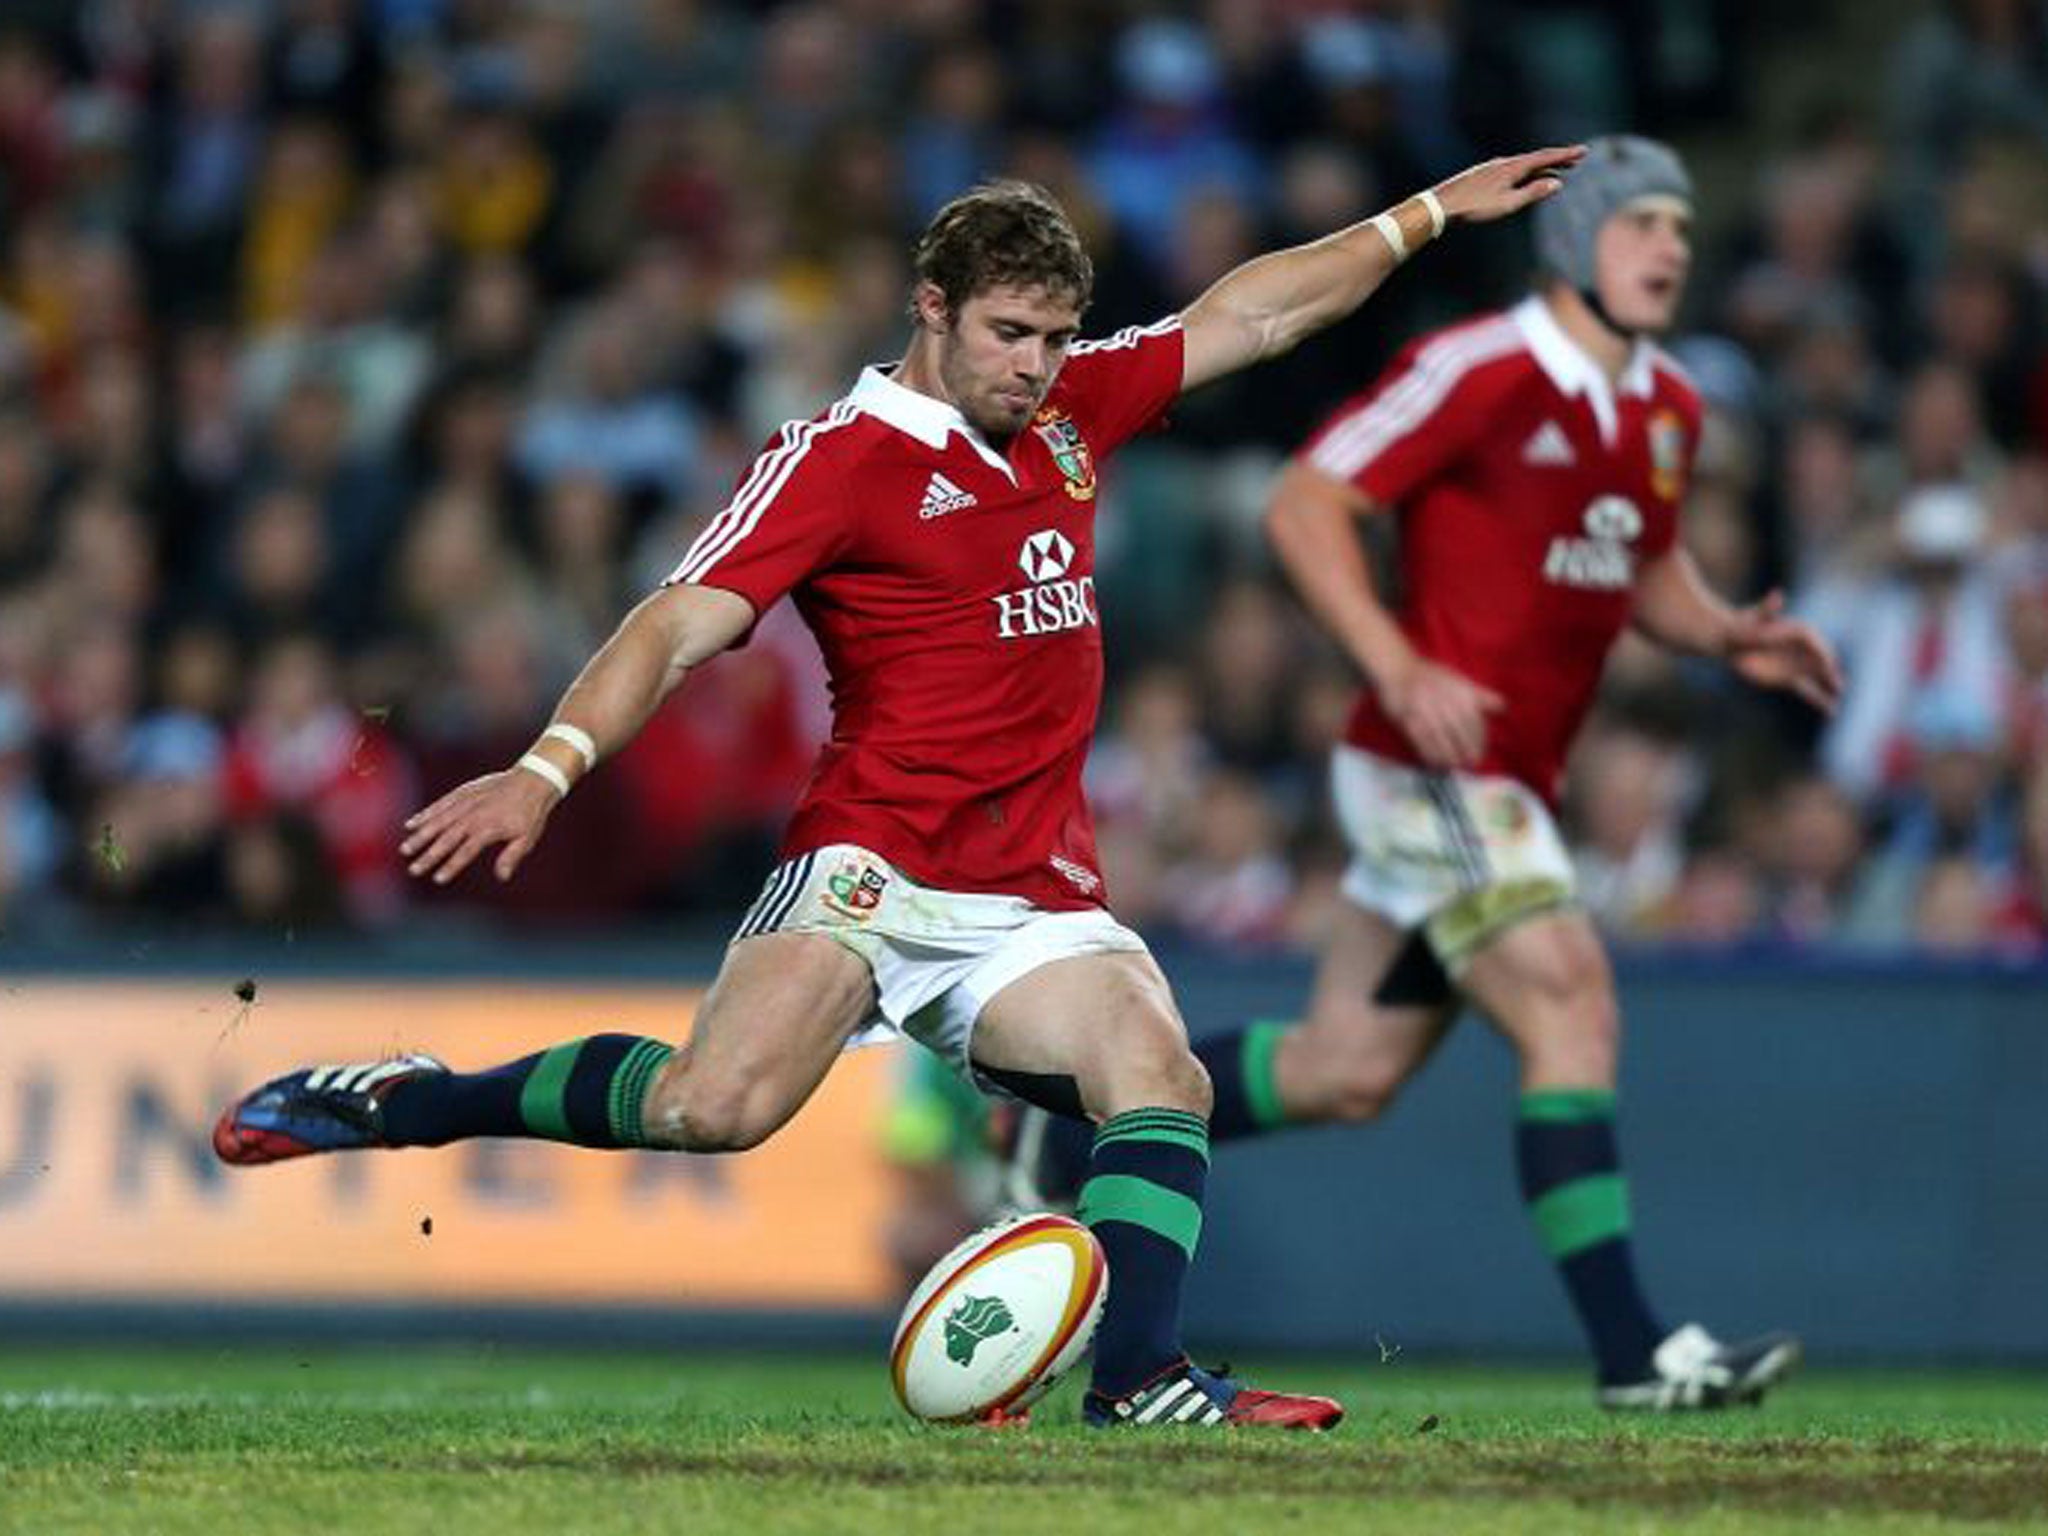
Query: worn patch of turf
[401,1439]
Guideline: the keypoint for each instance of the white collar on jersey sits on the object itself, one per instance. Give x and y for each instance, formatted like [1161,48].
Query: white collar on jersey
[1575,373]
[925,417]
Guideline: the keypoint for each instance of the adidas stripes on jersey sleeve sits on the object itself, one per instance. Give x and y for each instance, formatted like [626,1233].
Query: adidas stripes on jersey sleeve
[789,517]
[1422,414]
[1121,384]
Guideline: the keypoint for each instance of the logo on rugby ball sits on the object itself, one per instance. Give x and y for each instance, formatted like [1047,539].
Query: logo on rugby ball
[972,1323]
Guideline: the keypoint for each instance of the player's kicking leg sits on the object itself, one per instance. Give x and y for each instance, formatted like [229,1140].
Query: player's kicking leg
[1547,985]
[1107,1023]
[1380,1008]
[771,1027]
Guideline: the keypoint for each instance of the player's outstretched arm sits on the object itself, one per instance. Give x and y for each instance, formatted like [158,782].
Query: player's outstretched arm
[1675,607]
[618,689]
[1269,304]
[1310,524]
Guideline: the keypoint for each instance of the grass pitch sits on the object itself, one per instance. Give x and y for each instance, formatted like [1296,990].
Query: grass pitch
[396,1440]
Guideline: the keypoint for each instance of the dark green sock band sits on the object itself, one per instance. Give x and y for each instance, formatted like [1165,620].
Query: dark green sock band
[630,1083]
[590,1091]
[1172,1126]
[1582,1214]
[1583,1200]
[1261,1084]
[1138,1159]
[1568,1106]
[543,1102]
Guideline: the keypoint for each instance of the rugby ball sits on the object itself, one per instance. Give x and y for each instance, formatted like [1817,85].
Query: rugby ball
[999,1319]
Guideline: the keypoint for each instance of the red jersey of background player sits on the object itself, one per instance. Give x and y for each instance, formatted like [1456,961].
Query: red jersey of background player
[952,590]
[1529,493]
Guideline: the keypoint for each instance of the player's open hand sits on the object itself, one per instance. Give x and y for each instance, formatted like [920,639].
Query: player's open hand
[1441,711]
[1774,651]
[510,807]
[1493,189]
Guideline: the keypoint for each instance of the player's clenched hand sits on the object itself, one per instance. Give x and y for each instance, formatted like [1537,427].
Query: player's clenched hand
[509,807]
[1441,711]
[1493,189]
[1774,651]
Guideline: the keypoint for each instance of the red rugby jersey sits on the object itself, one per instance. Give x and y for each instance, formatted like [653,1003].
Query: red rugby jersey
[1529,493]
[952,591]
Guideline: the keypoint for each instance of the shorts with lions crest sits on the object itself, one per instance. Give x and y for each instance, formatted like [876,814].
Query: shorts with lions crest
[1461,856]
[938,957]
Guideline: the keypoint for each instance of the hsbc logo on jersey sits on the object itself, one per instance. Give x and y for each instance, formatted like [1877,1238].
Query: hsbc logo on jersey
[1602,561]
[1055,601]
[1045,555]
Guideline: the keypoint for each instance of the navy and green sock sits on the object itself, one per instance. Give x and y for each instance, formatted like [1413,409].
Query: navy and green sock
[1241,1070]
[1143,1201]
[1570,1165]
[588,1092]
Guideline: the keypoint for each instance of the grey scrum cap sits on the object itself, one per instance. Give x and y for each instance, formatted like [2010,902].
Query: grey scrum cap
[1616,171]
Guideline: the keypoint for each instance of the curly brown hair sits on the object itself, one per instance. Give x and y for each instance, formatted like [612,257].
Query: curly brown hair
[1003,233]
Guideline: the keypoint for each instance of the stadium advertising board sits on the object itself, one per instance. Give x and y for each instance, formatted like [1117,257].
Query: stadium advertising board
[109,1189]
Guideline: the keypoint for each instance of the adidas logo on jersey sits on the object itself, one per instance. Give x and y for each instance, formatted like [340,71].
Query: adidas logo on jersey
[942,496]
[1548,445]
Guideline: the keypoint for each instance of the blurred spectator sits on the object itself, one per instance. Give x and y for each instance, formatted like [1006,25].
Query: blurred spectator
[1247,654]
[1233,887]
[1940,438]
[25,480]
[2026,643]
[1627,795]
[301,196]
[207,142]
[280,878]
[104,563]
[324,59]
[158,851]
[1170,141]
[281,575]
[455,559]
[338,331]
[492,320]
[94,691]
[580,543]
[1835,545]
[208,445]
[1816,848]
[2022,917]
[1719,899]
[302,749]
[1928,630]
[31,836]
[1148,765]
[1967,68]
[1954,807]
[494,187]
[308,450]
[198,672]
[952,136]
[606,415]
[1954,908]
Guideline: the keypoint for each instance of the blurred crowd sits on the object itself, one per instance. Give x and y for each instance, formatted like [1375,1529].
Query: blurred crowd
[361,361]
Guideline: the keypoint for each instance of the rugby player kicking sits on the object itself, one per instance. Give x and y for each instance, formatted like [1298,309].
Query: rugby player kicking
[936,530]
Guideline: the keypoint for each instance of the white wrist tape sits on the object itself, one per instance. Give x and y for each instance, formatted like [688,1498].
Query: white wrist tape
[533,762]
[576,737]
[1390,231]
[1436,212]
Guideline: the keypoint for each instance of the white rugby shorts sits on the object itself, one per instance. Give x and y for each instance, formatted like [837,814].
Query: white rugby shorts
[1461,856]
[938,957]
